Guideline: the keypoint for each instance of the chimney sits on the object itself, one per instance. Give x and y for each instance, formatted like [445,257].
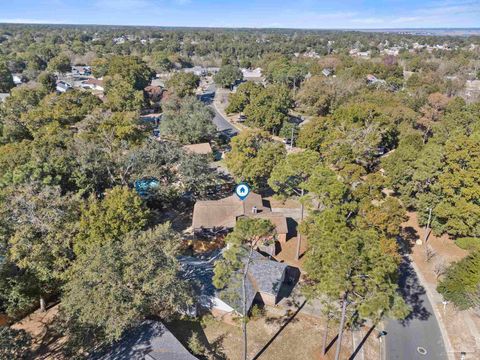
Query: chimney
[254,210]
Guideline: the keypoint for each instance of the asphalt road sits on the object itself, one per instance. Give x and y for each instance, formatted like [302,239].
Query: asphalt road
[419,330]
[222,124]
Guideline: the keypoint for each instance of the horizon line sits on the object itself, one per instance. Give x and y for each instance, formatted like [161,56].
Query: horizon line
[241,27]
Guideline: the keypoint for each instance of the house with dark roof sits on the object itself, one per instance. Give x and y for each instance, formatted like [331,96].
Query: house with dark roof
[265,281]
[151,340]
[212,217]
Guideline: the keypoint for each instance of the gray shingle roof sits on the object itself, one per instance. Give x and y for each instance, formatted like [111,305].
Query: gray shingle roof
[264,276]
[149,340]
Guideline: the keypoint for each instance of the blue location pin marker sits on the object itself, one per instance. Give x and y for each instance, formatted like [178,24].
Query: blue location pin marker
[242,190]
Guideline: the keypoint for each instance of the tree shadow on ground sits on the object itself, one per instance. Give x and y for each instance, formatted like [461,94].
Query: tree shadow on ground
[184,329]
[284,321]
[412,292]
[359,347]
[407,240]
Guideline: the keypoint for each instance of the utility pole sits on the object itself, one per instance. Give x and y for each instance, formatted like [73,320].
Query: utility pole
[299,236]
[427,227]
[291,139]
[342,324]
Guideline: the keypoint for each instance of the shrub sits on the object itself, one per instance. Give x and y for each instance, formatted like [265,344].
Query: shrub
[468,243]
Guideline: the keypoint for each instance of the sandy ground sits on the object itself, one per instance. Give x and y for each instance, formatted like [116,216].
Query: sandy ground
[37,324]
[463,327]
[272,337]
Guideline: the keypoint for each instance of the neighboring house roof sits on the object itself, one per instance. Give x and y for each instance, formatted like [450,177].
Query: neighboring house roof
[201,149]
[63,86]
[151,117]
[150,340]
[327,72]
[278,220]
[264,276]
[96,82]
[210,214]
[251,73]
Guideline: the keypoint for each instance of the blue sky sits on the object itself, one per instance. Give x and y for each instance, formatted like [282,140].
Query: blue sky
[248,13]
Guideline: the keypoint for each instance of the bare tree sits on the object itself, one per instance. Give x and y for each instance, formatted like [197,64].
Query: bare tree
[429,253]
[439,267]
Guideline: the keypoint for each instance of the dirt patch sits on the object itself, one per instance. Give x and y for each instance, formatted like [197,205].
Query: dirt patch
[272,337]
[46,344]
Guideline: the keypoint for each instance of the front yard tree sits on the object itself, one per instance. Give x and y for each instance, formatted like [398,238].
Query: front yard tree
[228,75]
[254,155]
[48,81]
[189,122]
[131,69]
[122,95]
[268,110]
[461,284]
[349,267]
[238,100]
[246,236]
[114,285]
[104,221]
[183,84]
[60,64]
[289,178]
[39,227]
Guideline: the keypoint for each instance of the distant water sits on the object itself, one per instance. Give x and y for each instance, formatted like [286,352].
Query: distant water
[430,32]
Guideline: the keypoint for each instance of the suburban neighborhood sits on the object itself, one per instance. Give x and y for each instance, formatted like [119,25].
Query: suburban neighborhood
[240,192]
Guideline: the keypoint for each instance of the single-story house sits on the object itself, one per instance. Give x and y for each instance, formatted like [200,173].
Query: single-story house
[327,72]
[264,283]
[252,74]
[94,84]
[63,86]
[153,118]
[200,149]
[213,70]
[151,340]
[372,79]
[215,216]
[197,70]
[18,79]
[81,70]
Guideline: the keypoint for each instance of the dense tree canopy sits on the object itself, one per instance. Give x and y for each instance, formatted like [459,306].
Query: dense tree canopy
[183,84]
[6,79]
[228,75]
[188,121]
[253,157]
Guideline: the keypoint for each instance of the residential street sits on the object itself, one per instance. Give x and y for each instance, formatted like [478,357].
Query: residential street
[420,329]
[222,124]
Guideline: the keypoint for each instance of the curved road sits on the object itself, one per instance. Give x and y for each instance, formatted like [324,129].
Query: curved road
[420,329]
[222,124]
